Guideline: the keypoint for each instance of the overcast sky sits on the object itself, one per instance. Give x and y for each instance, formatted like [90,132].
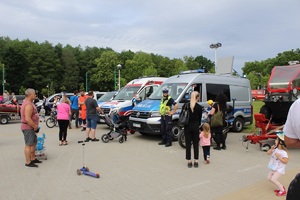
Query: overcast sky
[249,30]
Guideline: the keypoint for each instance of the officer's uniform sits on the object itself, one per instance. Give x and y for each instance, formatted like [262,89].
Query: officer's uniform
[166,120]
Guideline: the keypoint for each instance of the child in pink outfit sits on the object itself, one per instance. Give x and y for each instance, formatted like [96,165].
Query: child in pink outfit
[205,138]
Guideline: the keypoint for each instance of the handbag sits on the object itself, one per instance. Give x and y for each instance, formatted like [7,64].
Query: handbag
[184,115]
[217,119]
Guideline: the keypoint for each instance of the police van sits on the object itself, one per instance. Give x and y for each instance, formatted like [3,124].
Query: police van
[122,102]
[145,117]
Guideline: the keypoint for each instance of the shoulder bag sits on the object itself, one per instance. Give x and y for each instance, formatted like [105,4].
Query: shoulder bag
[184,115]
[217,119]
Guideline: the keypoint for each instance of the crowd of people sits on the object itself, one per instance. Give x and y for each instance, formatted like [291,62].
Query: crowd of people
[86,107]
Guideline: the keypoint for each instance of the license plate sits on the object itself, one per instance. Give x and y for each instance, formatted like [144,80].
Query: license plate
[136,125]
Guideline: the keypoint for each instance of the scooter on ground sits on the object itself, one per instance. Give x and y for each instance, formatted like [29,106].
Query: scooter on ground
[85,170]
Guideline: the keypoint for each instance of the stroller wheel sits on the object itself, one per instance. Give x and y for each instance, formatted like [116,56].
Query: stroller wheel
[105,138]
[121,140]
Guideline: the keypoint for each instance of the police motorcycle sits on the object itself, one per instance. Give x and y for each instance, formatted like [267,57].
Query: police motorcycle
[229,119]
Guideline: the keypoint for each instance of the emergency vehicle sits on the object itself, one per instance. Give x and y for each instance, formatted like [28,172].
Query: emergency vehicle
[143,87]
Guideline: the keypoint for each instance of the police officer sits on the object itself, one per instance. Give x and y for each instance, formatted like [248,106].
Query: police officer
[166,113]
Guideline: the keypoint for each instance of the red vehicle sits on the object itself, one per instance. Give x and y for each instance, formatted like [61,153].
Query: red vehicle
[282,90]
[258,95]
[8,111]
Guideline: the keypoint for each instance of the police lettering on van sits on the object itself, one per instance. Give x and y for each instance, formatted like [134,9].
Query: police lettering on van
[145,117]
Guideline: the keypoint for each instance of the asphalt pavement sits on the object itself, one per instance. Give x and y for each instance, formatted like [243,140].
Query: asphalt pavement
[136,169]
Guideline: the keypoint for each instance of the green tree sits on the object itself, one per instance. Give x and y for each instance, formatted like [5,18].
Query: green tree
[103,74]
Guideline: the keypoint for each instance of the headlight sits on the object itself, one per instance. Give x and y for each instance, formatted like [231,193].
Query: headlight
[155,114]
[115,110]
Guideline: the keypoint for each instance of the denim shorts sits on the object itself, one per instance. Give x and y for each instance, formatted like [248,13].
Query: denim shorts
[91,121]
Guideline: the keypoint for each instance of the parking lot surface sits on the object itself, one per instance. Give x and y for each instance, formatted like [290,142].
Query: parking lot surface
[137,169]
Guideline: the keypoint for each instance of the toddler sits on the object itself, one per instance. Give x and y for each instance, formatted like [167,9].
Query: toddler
[205,138]
[278,161]
[42,113]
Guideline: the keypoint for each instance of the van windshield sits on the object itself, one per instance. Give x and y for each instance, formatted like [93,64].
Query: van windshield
[127,93]
[175,89]
[106,97]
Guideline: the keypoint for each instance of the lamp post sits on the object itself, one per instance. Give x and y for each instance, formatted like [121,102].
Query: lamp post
[3,78]
[115,78]
[119,68]
[86,81]
[48,89]
[215,47]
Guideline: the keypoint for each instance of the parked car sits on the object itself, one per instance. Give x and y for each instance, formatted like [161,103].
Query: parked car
[105,98]
[258,95]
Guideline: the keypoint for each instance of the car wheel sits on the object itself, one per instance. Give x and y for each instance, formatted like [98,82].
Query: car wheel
[181,139]
[238,124]
[266,111]
[4,120]
[176,129]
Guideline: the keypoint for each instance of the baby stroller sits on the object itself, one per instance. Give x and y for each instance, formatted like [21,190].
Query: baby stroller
[40,148]
[118,127]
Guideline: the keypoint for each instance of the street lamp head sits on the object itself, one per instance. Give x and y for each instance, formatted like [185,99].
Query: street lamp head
[215,46]
[119,66]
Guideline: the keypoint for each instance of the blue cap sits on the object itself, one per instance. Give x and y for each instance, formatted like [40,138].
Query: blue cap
[165,90]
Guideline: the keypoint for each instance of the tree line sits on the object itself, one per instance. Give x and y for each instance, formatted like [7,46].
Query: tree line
[258,72]
[57,68]
[52,68]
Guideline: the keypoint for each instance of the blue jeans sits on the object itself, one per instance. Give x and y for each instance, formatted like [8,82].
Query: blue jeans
[91,121]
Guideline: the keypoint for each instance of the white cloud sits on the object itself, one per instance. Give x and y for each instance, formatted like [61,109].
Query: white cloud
[248,30]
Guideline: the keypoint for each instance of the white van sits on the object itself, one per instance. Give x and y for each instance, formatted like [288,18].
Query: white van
[145,117]
[144,87]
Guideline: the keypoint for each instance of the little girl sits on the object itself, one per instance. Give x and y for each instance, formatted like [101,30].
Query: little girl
[277,163]
[205,137]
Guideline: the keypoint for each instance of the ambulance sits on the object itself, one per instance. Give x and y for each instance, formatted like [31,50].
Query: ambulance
[143,87]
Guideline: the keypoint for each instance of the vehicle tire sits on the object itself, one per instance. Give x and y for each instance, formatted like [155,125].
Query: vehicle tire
[176,129]
[266,111]
[238,124]
[50,122]
[181,139]
[105,138]
[266,147]
[4,120]
[143,133]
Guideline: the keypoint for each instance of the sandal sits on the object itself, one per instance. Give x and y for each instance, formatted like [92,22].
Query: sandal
[60,143]
[65,143]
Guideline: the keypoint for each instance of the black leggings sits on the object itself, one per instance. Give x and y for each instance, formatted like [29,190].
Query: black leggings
[63,128]
[191,135]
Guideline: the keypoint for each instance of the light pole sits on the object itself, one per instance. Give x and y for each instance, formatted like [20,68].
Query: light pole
[115,78]
[48,89]
[215,46]
[119,68]
[86,81]
[3,78]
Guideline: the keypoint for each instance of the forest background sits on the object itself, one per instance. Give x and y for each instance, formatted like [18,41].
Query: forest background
[52,68]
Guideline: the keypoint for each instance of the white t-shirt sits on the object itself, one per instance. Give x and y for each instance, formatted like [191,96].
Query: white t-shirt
[275,164]
[292,125]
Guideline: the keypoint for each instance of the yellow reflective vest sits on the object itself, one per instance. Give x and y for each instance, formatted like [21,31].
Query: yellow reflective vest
[163,108]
